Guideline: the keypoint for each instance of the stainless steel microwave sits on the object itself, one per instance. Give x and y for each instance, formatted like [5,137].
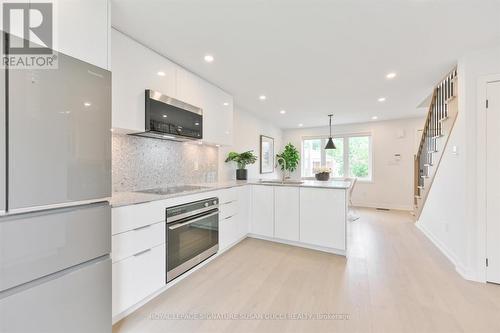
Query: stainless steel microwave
[171,119]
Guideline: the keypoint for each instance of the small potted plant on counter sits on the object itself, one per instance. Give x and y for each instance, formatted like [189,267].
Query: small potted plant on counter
[242,160]
[288,160]
[322,173]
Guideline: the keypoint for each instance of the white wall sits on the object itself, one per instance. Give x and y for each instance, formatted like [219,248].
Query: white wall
[392,185]
[247,129]
[454,214]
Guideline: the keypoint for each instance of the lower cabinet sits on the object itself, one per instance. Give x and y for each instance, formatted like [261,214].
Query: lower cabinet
[137,277]
[323,217]
[262,210]
[286,213]
[228,231]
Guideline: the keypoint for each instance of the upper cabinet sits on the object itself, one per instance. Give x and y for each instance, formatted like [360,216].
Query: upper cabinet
[82,30]
[137,68]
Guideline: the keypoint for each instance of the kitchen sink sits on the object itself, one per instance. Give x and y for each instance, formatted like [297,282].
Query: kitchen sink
[282,182]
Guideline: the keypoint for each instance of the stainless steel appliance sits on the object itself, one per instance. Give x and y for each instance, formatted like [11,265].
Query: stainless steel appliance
[55,178]
[192,235]
[170,119]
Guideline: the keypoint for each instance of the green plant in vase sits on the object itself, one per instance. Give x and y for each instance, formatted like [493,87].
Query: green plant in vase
[242,160]
[288,160]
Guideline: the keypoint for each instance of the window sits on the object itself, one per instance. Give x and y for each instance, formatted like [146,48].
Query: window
[352,158]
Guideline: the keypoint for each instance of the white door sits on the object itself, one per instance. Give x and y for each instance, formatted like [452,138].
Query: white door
[493,182]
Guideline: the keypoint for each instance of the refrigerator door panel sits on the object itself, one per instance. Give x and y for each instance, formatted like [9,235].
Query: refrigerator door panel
[38,244]
[78,301]
[3,159]
[59,134]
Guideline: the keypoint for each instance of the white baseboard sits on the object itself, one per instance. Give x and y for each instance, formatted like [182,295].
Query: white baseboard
[299,244]
[385,206]
[462,270]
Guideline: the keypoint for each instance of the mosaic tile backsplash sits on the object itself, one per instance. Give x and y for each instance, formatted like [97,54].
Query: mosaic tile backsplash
[143,163]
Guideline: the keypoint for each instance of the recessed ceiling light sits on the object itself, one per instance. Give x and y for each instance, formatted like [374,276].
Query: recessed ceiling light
[161,73]
[164,116]
[300,125]
[374,118]
[209,58]
[282,111]
[262,97]
[87,104]
[226,104]
[381,99]
[391,75]
[196,124]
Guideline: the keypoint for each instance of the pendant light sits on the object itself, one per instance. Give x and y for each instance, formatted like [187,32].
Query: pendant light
[330,144]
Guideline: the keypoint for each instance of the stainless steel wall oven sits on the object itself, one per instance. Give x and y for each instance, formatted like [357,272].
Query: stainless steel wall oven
[192,235]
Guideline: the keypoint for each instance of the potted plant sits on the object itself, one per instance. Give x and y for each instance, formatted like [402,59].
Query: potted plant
[322,173]
[288,160]
[242,160]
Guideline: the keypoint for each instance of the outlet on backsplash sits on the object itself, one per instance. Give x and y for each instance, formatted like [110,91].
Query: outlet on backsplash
[142,163]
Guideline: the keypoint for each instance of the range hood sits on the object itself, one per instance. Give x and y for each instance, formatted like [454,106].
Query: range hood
[170,119]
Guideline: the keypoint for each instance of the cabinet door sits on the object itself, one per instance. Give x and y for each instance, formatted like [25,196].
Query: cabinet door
[323,217]
[135,69]
[262,210]
[225,232]
[217,114]
[82,28]
[244,207]
[137,277]
[286,209]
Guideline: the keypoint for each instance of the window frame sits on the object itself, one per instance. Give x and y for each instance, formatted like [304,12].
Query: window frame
[345,156]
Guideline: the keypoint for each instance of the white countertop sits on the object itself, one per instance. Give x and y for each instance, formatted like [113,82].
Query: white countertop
[119,199]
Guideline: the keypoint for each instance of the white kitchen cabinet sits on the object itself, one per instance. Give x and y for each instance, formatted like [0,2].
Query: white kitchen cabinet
[228,231]
[82,30]
[262,223]
[217,116]
[323,217]
[137,277]
[135,69]
[126,244]
[244,209]
[286,213]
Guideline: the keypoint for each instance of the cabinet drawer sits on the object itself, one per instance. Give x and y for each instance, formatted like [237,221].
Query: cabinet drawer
[37,244]
[127,218]
[137,277]
[131,242]
[228,209]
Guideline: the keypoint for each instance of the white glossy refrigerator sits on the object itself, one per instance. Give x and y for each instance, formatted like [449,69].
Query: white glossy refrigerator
[55,178]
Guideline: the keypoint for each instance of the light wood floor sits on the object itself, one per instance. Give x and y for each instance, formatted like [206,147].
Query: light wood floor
[395,280]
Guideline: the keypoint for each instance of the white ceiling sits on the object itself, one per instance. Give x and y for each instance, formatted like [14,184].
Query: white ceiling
[315,57]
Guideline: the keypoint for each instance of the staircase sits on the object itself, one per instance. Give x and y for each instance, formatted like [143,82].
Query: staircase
[441,117]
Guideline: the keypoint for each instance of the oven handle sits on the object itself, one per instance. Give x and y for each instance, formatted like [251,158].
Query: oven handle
[192,221]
